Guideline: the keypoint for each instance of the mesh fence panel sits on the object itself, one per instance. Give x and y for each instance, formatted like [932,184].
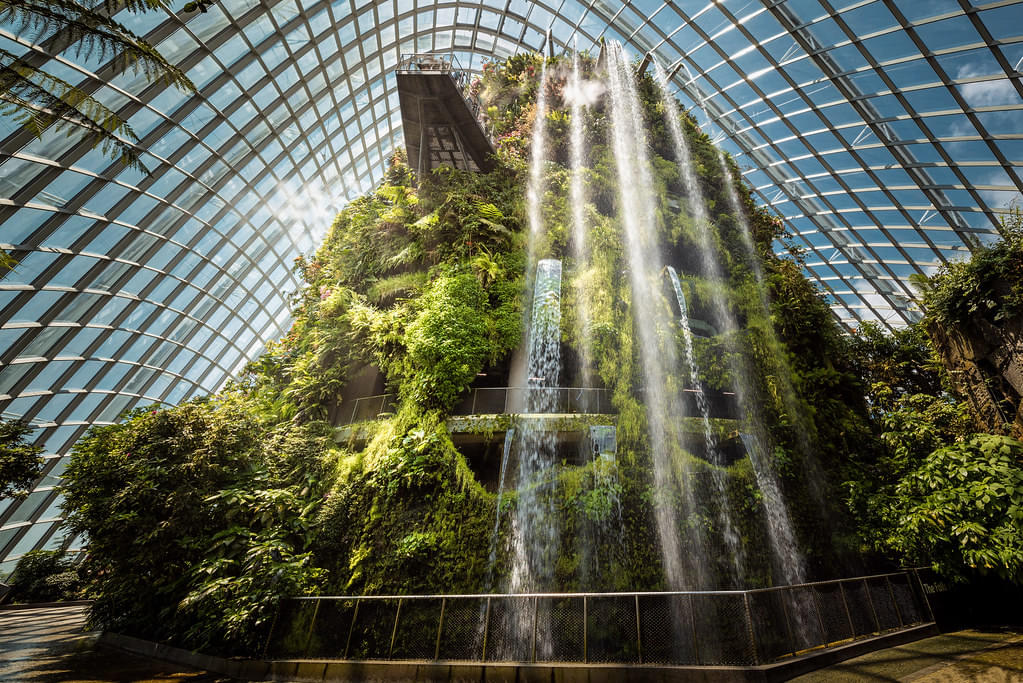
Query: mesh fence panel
[461,635]
[371,632]
[910,608]
[330,631]
[510,630]
[771,630]
[465,406]
[416,636]
[611,630]
[806,625]
[666,630]
[688,629]
[722,632]
[559,630]
[887,617]
[862,612]
[291,629]
[833,613]
[490,401]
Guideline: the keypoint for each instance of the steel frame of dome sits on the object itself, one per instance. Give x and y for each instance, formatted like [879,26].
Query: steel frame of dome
[888,134]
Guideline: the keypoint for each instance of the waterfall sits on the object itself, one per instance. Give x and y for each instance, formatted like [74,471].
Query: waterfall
[580,249]
[636,202]
[694,370]
[537,156]
[713,269]
[534,536]
[505,454]
[605,529]
[788,393]
[782,539]
[779,525]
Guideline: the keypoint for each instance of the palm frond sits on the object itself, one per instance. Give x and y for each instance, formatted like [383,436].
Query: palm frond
[39,101]
[86,32]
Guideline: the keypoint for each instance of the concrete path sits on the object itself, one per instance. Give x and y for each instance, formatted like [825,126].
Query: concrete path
[50,645]
[994,656]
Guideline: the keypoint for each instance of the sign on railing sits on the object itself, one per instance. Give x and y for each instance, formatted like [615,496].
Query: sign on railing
[736,628]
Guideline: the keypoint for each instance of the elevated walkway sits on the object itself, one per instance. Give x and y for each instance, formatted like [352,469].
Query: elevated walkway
[512,401]
[695,635]
[440,115]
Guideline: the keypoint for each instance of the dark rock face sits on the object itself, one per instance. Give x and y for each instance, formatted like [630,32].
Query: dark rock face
[985,362]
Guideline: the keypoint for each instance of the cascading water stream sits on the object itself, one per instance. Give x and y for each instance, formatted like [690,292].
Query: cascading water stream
[694,371]
[780,533]
[509,437]
[712,268]
[534,536]
[580,249]
[788,394]
[649,309]
[534,533]
[537,157]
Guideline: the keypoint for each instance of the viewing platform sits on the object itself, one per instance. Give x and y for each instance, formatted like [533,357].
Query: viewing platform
[512,401]
[441,116]
[761,634]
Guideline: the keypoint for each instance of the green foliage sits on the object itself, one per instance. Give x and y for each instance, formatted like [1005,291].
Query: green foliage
[931,492]
[406,517]
[39,100]
[197,520]
[45,576]
[20,463]
[446,342]
[989,285]
[894,364]
[962,509]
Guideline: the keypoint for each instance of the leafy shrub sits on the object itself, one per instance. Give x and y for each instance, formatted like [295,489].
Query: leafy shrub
[961,511]
[988,285]
[45,576]
[20,463]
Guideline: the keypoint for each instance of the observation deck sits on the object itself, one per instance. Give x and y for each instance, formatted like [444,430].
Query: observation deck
[581,424]
[441,116]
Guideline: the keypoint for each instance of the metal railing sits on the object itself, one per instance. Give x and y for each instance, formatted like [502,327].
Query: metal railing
[506,400]
[715,628]
[490,401]
[446,62]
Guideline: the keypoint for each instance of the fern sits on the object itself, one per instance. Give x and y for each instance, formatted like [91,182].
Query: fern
[86,32]
[389,287]
[39,101]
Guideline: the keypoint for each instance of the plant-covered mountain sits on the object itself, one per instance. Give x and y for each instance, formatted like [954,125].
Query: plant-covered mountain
[202,516]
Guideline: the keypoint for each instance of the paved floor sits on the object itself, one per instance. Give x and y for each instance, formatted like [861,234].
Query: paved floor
[994,656]
[48,645]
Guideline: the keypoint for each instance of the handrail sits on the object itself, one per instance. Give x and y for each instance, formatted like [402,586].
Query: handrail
[446,62]
[608,594]
[730,627]
[504,400]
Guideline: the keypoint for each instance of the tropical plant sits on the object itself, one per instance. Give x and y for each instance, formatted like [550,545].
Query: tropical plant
[989,285]
[20,463]
[961,510]
[40,101]
[894,364]
[45,576]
